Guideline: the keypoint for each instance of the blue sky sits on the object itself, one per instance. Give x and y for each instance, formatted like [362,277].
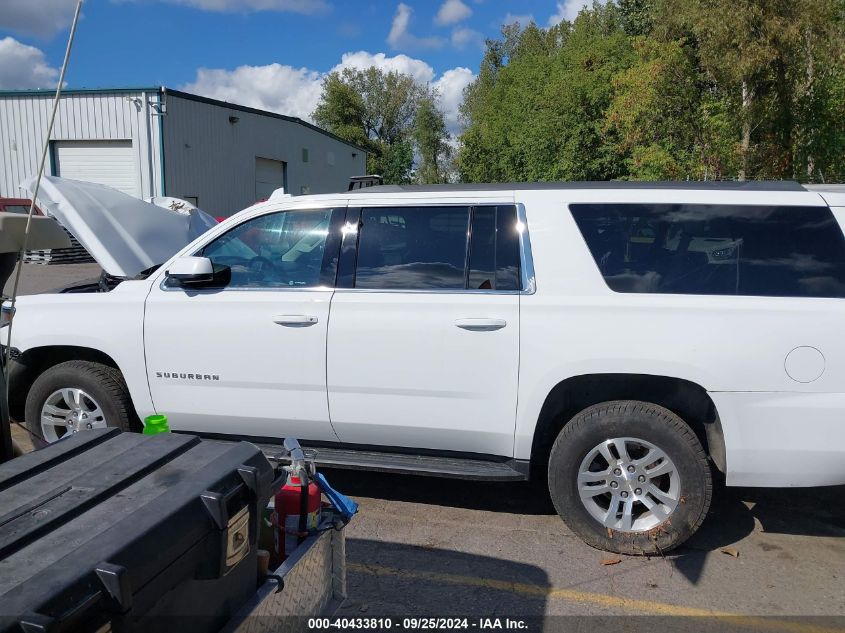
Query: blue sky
[270,54]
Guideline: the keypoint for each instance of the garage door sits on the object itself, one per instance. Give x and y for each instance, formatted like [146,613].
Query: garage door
[109,163]
[269,176]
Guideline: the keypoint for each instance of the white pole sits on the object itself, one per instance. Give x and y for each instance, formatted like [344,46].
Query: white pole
[38,183]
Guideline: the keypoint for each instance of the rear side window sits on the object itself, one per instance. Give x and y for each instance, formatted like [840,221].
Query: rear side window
[446,248]
[767,251]
[412,248]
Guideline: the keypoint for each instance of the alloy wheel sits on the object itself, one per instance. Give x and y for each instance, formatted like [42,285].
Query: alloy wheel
[629,484]
[70,410]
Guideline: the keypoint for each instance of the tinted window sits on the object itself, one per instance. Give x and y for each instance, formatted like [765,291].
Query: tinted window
[412,248]
[716,249]
[281,250]
[494,249]
[16,208]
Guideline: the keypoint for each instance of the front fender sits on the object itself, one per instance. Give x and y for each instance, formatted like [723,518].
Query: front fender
[110,323]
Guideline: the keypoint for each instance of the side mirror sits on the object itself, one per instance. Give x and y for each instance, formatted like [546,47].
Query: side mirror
[197,272]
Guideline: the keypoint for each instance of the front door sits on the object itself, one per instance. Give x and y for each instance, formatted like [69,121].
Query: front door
[249,358]
[423,346]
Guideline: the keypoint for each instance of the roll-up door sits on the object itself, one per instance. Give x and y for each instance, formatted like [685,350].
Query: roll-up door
[110,163]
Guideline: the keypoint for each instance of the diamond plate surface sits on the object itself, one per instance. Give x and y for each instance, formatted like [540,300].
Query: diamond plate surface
[313,581]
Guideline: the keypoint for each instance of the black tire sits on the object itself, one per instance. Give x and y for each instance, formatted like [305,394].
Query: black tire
[104,384]
[653,424]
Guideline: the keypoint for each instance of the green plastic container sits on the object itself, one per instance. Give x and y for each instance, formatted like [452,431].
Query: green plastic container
[155,424]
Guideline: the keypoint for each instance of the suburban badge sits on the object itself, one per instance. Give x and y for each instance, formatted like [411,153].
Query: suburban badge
[184,376]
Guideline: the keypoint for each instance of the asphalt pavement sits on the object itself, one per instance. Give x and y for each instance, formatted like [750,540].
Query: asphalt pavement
[38,278]
[767,560]
[423,546]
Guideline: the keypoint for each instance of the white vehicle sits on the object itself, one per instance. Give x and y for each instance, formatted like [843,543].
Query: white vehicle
[619,338]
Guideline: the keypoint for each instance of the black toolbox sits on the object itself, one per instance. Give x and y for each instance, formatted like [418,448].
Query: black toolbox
[135,532]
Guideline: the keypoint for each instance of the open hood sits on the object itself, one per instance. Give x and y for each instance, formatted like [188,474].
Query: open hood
[125,235]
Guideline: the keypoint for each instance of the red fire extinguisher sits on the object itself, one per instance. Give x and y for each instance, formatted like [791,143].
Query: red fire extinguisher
[297,512]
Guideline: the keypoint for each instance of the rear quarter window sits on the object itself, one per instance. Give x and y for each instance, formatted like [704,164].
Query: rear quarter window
[769,251]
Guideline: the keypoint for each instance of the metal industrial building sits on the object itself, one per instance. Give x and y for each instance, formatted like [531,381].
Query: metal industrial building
[157,141]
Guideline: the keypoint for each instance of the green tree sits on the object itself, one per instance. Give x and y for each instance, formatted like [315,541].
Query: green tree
[637,16]
[396,162]
[820,150]
[430,136]
[379,111]
[669,126]
[766,62]
[663,89]
[536,110]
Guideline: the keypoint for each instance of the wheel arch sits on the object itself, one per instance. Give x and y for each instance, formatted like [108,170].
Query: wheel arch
[33,362]
[687,399]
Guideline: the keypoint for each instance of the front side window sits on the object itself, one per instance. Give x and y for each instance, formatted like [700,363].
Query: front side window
[445,248]
[280,250]
[766,251]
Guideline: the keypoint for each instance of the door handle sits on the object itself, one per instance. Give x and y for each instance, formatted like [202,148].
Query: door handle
[298,320]
[481,325]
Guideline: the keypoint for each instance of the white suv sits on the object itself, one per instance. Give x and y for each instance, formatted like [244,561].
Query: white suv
[619,338]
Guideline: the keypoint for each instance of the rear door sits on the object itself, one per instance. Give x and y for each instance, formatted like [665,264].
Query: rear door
[423,345]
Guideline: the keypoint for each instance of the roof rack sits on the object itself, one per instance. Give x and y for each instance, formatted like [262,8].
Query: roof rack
[727,185]
[361,182]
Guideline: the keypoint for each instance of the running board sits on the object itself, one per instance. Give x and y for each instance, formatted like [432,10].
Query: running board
[425,465]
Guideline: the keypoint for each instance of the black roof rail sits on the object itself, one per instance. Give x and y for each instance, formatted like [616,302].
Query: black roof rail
[725,185]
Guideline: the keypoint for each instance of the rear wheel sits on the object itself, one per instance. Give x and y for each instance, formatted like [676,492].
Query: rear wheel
[630,477]
[75,396]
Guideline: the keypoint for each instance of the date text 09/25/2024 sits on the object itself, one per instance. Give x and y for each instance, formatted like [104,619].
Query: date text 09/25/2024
[409,624]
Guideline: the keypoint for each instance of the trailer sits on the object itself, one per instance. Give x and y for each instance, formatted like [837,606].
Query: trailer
[165,538]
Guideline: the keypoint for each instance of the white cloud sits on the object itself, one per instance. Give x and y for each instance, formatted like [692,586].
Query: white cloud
[275,87]
[41,18]
[399,26]
[567,10]
[522,20]
[399,36]
[452,12]
[463,37]
[23,66]
[44,18]
[296,91]
[306,7]
[451,86]
[416,68]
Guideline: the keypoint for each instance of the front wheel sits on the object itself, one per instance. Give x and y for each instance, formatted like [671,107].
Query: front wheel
[75,396]
[630,477]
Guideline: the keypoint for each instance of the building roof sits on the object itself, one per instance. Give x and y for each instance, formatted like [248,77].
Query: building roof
[182,95]
[748,185]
